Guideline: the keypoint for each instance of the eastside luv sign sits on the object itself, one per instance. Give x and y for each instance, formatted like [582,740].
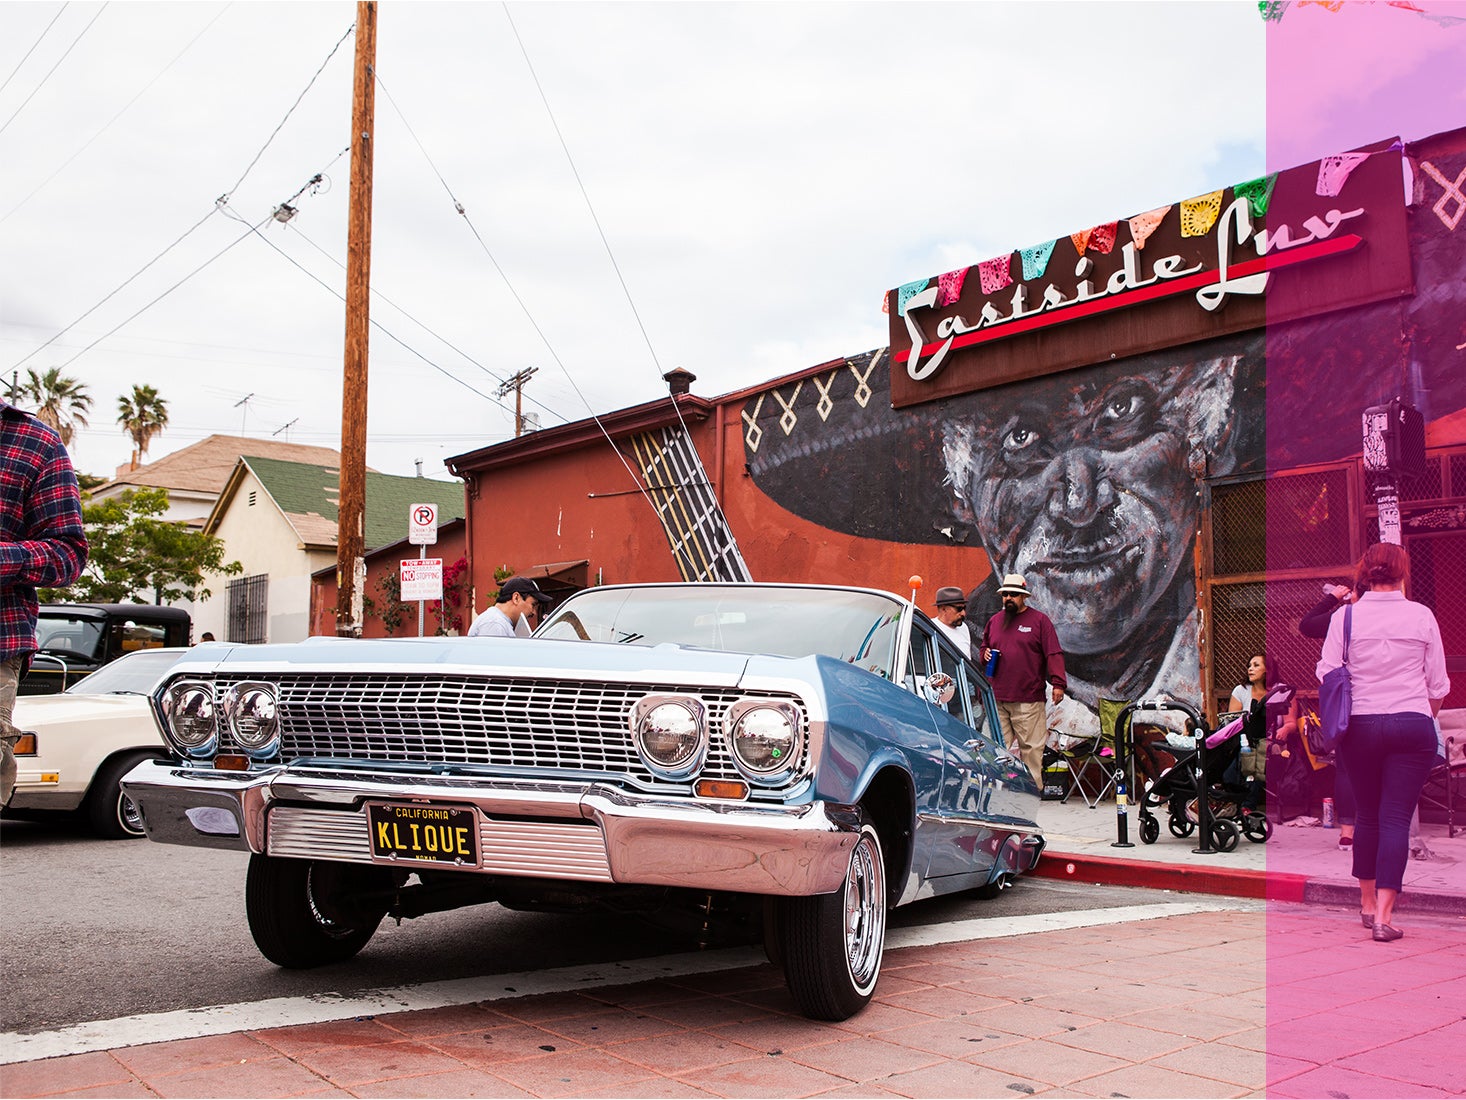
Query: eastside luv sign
[1309,240]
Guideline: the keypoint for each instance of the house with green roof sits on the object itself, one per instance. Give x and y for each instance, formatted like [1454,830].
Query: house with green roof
[278,519]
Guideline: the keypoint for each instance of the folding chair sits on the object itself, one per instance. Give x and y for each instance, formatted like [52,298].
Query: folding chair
[1093,767]
[1441,786]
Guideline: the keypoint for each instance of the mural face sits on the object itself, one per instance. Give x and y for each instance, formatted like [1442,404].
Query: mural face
[1085,484]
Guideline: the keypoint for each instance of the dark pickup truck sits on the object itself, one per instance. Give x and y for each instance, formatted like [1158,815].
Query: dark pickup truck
[75,639]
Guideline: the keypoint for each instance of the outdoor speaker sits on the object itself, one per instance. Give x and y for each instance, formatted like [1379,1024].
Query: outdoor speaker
[1394,439]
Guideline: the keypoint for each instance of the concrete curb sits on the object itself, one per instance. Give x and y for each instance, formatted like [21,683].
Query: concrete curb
[1320,891]
[1230,881]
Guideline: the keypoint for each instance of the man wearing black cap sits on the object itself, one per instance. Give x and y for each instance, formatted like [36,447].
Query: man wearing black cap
[1029,660]
[517,597]
[952,618]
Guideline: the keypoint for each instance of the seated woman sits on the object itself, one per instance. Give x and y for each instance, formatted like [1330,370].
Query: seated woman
[1266,721]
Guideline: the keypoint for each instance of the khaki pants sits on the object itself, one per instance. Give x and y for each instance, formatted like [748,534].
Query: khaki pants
[1026,725]
[9,681]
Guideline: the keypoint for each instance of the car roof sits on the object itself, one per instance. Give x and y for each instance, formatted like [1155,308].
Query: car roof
[112,610]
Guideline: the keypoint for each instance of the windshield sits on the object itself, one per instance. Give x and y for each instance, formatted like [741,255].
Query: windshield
[139,672]
[80,639]
[858,627]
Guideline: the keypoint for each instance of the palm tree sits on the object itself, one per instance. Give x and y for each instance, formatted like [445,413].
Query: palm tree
[61,402]
[142,416]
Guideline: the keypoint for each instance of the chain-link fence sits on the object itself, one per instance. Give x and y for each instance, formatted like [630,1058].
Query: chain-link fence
[1275,543]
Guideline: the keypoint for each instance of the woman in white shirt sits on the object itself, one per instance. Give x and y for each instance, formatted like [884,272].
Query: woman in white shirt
[1397,668]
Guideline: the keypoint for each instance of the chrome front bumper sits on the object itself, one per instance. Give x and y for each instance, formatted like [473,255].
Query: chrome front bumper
[535,828]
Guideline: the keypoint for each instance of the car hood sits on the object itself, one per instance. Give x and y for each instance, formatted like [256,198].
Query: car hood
[40,711]
[537,657]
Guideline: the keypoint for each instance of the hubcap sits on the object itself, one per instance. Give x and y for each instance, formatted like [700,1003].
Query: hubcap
[129,816]
[865,912]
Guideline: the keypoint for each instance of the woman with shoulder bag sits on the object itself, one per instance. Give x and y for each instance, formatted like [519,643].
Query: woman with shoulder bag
[1397,667]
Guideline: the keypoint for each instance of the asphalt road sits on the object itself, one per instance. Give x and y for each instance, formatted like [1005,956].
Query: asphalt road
[95,930]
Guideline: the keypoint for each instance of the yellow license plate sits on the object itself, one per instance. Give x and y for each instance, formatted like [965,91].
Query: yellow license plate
[424,834]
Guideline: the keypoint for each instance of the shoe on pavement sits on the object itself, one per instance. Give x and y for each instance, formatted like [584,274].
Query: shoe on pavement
[1384,933]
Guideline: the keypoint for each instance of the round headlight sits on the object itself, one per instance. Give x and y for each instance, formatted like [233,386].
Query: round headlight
[189,708]
[765,739]
[670,735]
[250,711]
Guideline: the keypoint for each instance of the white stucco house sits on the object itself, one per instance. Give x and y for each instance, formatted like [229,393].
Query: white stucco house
[278,519]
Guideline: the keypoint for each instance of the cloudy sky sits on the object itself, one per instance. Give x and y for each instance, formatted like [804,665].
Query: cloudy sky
[761,172]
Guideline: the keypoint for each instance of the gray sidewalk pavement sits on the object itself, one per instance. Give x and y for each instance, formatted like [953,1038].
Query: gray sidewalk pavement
[1309,853]
[1247,999]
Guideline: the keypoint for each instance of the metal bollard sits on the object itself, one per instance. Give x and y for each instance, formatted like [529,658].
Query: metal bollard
[1122,788]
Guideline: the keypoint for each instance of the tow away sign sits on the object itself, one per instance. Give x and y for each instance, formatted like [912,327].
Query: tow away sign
[422,579]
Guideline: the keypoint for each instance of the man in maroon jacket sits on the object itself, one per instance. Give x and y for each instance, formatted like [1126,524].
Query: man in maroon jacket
[1029,658]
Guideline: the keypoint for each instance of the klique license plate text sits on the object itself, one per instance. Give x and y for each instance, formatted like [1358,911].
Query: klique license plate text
[427,834]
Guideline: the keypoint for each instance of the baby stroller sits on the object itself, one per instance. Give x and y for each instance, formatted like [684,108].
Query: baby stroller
[1232,797]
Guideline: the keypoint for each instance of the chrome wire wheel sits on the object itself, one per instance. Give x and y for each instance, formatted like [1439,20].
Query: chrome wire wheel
[831,944]
[865,912]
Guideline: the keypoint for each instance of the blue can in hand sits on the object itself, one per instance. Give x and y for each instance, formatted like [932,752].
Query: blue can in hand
[991,665]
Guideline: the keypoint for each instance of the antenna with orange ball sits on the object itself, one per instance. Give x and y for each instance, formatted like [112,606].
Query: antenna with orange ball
[915,582]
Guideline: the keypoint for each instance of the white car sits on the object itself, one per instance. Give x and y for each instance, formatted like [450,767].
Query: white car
[80,743]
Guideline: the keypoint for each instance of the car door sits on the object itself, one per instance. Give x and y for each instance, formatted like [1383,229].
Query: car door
[966,753]
[981,799]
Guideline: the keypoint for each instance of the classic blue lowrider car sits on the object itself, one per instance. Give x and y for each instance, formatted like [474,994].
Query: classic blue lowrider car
[822,751]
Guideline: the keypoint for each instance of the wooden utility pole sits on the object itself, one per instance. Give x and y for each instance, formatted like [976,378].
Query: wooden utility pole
[350,562]
[516,384]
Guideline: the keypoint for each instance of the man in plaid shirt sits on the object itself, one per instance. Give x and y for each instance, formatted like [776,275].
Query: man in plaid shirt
[42,543]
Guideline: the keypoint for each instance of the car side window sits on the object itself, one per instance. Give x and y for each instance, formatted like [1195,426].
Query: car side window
[977,713]
[951,664]
[919,661]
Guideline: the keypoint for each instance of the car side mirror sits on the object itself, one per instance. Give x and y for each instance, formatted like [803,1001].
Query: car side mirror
[939,689]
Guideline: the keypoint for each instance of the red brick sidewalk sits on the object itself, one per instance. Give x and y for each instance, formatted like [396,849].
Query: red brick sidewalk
[1180,1007]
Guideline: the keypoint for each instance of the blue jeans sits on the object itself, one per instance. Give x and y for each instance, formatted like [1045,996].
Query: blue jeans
[1388,757]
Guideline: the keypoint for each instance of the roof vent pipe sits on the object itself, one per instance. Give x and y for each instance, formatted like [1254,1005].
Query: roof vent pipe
[679,381]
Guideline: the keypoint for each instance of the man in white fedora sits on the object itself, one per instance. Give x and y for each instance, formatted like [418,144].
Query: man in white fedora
[1030,661]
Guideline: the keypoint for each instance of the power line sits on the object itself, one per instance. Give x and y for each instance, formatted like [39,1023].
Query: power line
[53,68]
[159,298]
[34,44]
[219,203]
[402,310]
[187,233]
[583,192]
[626,290]
[374,323]
[224,198]
[524,308]
[108,124]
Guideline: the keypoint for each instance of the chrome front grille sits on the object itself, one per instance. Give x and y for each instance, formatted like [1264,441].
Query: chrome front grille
[559,725]
[532,848]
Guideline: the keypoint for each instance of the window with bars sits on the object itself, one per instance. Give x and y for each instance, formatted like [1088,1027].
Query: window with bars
[248,601]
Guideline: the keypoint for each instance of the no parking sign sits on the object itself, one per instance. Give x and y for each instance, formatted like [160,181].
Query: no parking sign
[422,524]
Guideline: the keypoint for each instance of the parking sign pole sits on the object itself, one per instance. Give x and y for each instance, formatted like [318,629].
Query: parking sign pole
[422,552]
